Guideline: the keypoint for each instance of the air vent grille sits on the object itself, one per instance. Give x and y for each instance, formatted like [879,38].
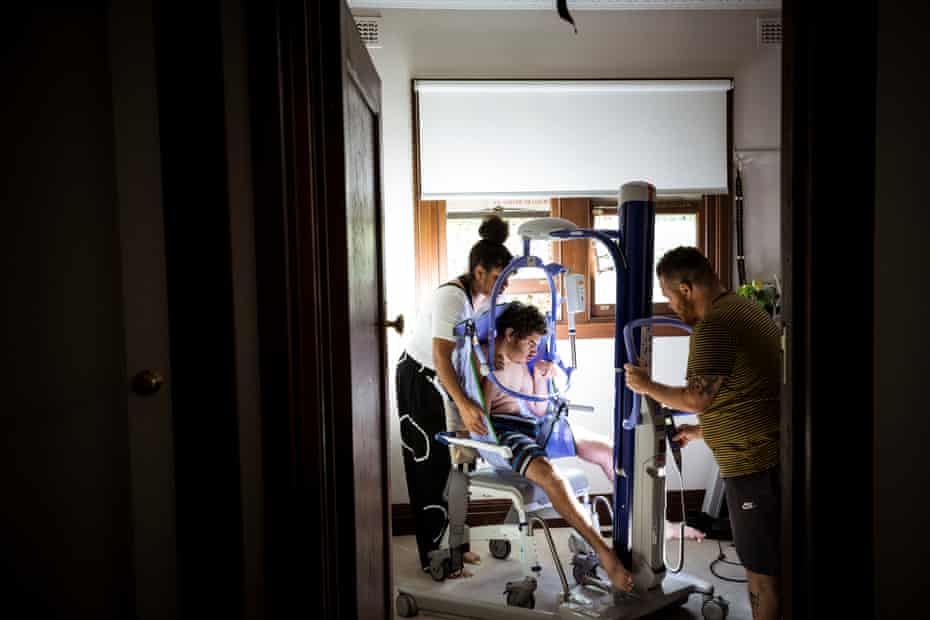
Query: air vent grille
[370,30]
[769,31]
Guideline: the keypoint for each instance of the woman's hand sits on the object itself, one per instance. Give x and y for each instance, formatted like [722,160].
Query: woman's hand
[688,433]
[472,417]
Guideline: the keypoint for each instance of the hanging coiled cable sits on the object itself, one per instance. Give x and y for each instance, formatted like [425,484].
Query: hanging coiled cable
[681,526]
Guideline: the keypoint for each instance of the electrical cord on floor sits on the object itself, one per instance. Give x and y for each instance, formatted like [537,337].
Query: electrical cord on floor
[722,558]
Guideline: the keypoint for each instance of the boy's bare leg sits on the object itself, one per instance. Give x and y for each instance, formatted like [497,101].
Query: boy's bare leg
[563,500]
[763,596]
[594,449]
[597,450]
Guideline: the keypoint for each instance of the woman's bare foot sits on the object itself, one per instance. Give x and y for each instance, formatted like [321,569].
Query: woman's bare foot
[673,532]
[470,557]
[618,575]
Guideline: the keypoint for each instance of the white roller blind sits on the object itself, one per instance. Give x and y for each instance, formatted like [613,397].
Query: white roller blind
[572,138]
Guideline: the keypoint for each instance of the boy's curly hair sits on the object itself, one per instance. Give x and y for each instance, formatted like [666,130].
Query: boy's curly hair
[525,320]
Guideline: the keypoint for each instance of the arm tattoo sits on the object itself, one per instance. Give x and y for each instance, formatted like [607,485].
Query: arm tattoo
[754,601]
[706,386]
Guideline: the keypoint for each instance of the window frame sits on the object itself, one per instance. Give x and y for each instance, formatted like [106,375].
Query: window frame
[520,286]
[713,213]
[663,206]
[578,255]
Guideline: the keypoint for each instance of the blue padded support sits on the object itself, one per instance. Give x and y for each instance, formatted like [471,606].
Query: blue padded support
[482,324]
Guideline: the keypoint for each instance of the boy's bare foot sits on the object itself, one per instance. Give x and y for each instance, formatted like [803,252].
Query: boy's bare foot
[618,575]
[470,557]
[673,532]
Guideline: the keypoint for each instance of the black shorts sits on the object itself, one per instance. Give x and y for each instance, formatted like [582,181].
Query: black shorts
[754,502]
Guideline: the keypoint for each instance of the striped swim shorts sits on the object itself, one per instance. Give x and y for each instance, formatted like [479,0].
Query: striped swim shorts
[524,437]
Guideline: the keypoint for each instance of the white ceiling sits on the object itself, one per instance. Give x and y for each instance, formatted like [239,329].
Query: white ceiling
[576,5]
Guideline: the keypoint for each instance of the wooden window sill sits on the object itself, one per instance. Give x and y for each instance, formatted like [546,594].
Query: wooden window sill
[605,329]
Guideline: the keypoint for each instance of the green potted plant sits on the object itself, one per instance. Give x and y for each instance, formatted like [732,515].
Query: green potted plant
[766,295]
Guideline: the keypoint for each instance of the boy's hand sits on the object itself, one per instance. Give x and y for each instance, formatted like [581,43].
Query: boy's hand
[543,369]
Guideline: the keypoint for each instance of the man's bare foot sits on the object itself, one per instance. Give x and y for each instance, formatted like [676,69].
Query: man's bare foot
[673,532]
[470,557]
[460,573]
[620,578]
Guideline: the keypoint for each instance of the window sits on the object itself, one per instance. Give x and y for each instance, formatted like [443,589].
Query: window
[464,217]
[677,224]
[446,230]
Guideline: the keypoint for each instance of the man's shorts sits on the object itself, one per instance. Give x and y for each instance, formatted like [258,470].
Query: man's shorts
[754,502]
[524,438]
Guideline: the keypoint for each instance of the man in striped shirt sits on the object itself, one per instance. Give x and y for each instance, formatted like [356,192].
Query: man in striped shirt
[733,387]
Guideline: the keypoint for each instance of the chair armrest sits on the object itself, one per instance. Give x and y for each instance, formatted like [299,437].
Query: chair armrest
[579,408]
[451,439]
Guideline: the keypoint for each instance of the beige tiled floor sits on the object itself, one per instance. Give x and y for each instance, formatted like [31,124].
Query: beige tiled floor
[487,584]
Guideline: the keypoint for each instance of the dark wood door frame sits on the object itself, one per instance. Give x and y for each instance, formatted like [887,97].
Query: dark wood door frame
[828,247]
[144,281]
[210,297]
[298,69]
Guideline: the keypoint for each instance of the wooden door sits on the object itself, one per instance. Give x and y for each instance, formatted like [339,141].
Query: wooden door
[361,102]
[137,155]
[88,526]
[317,126]
[829,354]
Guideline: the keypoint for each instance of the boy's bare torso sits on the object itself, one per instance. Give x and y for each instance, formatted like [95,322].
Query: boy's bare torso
[513,376]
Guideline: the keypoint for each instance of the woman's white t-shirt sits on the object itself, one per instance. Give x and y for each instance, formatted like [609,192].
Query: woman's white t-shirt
[447,307]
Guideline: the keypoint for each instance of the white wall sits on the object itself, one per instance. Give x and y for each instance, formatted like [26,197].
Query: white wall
[592,384]
[611,44]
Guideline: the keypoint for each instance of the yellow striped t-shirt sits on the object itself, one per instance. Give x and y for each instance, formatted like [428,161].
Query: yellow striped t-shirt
[739,341]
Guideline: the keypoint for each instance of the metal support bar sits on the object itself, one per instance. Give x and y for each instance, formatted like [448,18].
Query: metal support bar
[566,593]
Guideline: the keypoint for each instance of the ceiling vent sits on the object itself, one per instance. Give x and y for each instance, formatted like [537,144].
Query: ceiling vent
[768,31]
[370,30]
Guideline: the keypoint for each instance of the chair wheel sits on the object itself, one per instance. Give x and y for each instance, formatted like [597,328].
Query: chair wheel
[579,573]
[406,606]
[500,548]
[715,608]
[521,599]
[440,571]
[575,543]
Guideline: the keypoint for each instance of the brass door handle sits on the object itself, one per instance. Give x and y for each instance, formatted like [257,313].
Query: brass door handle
[397,324]
[147,382]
